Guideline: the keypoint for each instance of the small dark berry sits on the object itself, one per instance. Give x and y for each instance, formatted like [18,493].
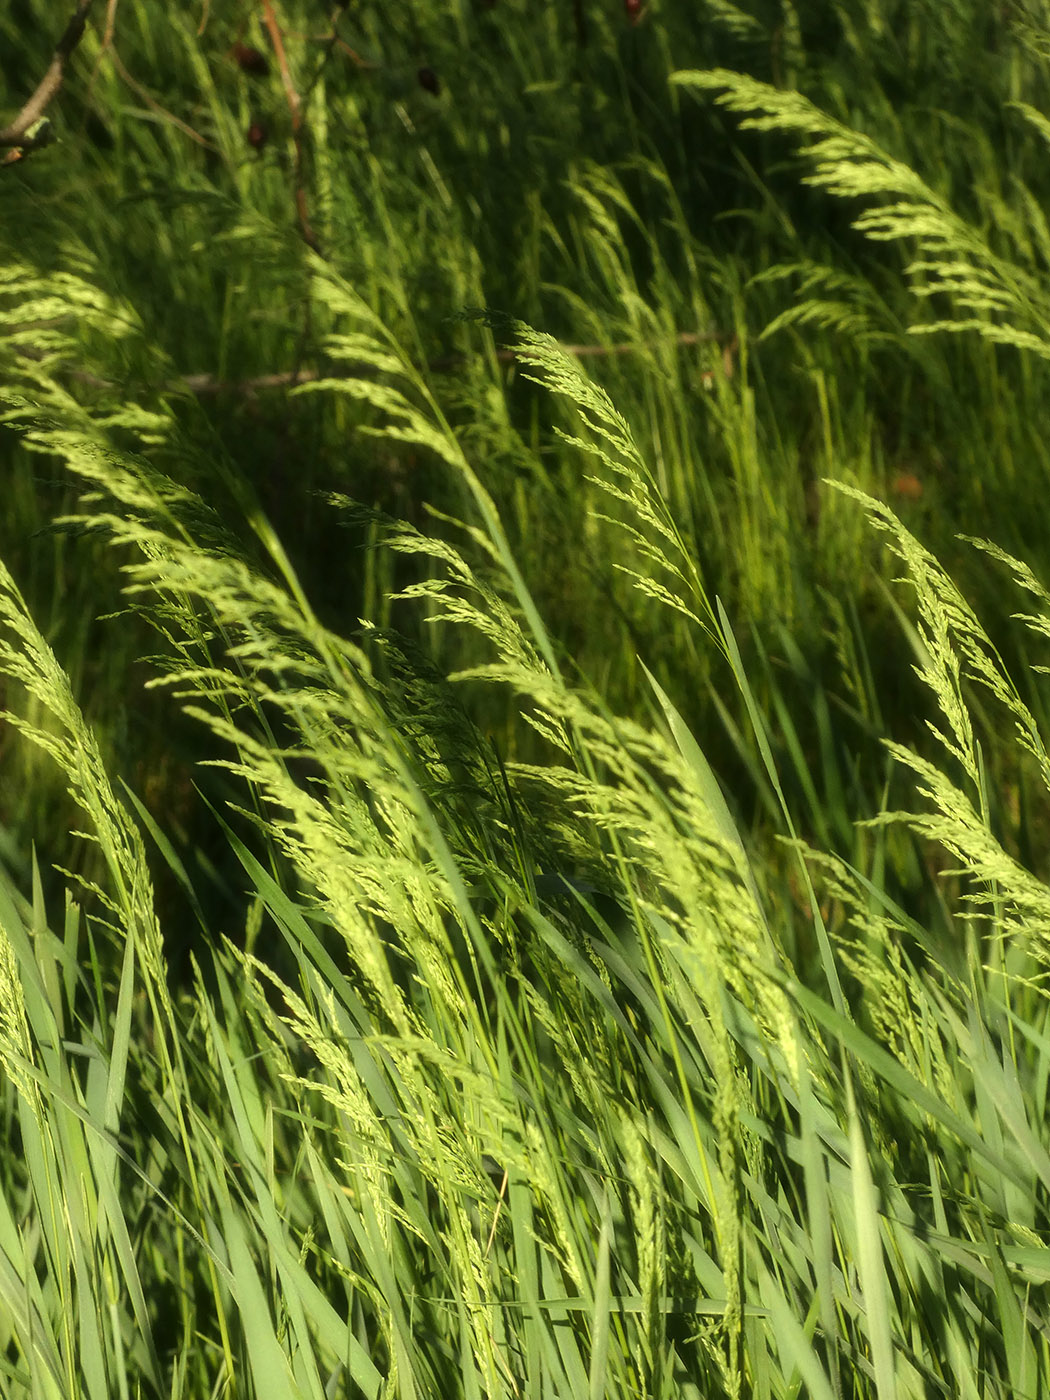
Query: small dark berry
[429,80]
[907,486]
[257,136]
[633,10]
[250,60]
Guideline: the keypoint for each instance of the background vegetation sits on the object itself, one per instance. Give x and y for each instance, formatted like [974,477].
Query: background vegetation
[437,1006]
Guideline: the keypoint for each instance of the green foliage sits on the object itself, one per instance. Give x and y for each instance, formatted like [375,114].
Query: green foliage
[434,1008]
[494,1131]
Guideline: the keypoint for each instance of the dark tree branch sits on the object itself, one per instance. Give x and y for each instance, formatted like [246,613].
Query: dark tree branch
[446,364]
[295,107]
[15,134]
[580,17]
[206,384]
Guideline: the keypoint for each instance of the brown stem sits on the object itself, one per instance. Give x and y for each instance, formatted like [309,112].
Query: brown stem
[277,40]
[580,18]
[206,384]
[295,107]
[14,135]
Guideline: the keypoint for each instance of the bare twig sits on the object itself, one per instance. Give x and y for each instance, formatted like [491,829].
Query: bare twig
[15,134]
[580,19]
[277,39]
[295,107]
[206,385]
[111,23]
[331,42]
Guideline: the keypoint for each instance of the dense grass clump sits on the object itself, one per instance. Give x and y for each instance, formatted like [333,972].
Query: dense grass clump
[520,873]
[511,1082]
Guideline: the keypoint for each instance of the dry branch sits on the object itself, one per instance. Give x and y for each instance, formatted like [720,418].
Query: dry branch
[295,107]
[206,384]
[15,134]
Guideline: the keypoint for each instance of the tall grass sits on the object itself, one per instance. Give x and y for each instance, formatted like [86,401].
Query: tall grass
[566,183]
[509,1085]
[544,991]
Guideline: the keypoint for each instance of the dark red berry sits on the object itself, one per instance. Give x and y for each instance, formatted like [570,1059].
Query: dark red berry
[907,486]
[250,60]
[257,136]
[633,10]
[429,80]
